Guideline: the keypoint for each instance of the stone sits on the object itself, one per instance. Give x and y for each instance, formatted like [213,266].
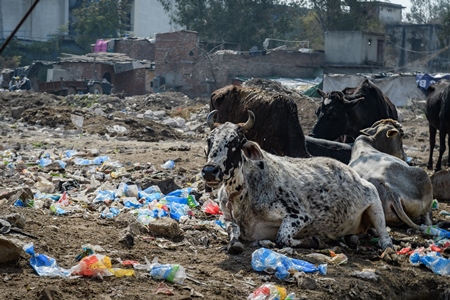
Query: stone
[10,250]
[16,219]
[16,112]
[164,227]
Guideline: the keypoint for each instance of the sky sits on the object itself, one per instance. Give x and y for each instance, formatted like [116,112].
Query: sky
[405,3]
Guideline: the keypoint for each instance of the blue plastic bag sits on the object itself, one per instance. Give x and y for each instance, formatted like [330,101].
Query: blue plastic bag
[44,265]
[433,261]
[272,262]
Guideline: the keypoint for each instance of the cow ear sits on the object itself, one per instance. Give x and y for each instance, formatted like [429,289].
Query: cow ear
[391,133]
[252,151]
[369,131]
[321,93]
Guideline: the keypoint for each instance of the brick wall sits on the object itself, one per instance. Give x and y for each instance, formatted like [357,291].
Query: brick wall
[195,72]
[132,82]
[140,49]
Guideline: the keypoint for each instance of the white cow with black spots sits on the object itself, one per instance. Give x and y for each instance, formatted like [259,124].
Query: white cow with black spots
[283,199]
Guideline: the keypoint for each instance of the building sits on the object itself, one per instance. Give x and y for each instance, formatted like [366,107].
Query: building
[44,20]
[147,17]
[388,13]
[353,51]
[416,47]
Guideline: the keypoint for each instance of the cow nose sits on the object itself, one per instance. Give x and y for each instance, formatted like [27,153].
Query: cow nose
[210,172]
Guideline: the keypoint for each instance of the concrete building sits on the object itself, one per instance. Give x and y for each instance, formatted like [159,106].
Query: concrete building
[353,51]
[388,13]
[44,20]
[147,17]
[417,47]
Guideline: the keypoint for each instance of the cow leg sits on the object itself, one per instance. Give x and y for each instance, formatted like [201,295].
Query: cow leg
[432,132]
[448,144]
[376,216]
[233,230]
[442,147]
[427,218]
[290,227]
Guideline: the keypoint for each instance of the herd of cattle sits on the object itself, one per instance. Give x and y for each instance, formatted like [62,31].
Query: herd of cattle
[348,175]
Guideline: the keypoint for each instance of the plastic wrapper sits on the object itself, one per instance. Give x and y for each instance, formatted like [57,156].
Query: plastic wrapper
[274,263]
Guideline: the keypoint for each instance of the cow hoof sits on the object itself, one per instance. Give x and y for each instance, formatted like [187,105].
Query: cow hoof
[389,255]
[235,248]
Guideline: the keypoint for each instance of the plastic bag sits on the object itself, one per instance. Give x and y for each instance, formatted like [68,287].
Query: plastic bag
[270,291]
[44,265]
[275,263]
[168,165]
[433,261]
[97,265]
[211,207]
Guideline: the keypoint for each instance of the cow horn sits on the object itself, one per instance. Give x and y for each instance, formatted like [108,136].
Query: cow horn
[353,97]
[210,119]
[250,122]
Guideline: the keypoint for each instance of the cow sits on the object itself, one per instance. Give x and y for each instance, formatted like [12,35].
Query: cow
[285,199]
[277,129]
[346,112]
[437,111]
[405,191]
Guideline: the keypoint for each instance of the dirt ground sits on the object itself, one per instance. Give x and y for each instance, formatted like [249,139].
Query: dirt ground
[45,126]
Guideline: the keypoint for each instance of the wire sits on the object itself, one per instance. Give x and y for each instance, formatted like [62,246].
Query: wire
[409,50]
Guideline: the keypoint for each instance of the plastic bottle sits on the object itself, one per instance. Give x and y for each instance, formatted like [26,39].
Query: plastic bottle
[177,210]
[437,232]
[272,262]
[170,272]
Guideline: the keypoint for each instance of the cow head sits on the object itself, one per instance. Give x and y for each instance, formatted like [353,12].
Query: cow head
[224,146]
[332,116]
[386,136]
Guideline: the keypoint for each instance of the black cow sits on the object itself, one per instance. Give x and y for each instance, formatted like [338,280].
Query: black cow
[348,111]
[437,112]
[277,128]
